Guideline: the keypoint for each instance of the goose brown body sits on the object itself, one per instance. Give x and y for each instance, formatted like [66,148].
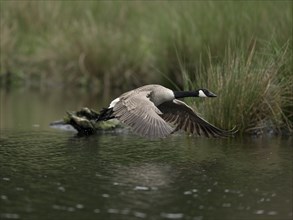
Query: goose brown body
[153,111]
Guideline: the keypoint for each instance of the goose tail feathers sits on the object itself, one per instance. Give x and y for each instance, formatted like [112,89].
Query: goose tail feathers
[105,114]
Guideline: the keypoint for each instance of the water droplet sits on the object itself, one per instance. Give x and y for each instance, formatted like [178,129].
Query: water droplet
[19,188]
[226,205]
[79,206]
[259,212]
[96,210]
[113,211]
[172,215]
[139,214]
[59,207]
[187,193]
[105,195]
[272,213]
[9,216]
[141,188]
[6,179]
[3,197]
[61,188]
[55,206]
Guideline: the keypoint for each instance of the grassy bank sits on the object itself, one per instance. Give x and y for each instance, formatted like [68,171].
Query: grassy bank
[241,50]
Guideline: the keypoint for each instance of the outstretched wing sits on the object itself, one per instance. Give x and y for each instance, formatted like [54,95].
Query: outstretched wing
[182,116]
[137,111]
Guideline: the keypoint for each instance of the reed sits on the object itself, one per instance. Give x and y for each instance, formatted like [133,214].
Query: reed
[254,91]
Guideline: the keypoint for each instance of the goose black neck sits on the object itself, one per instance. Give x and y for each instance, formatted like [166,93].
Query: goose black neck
[183,94]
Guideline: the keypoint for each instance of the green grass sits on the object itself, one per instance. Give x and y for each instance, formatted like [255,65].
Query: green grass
[253,92]
[241,50]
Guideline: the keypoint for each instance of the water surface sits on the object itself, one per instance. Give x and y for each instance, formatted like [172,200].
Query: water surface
[51,174]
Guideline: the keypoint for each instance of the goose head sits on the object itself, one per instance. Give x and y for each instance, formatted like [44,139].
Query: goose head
[203,93]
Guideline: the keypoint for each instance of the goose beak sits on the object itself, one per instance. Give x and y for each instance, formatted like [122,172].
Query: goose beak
[212,95]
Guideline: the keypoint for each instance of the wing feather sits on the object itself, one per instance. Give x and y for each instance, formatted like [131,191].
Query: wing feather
[137,111]
[180,114]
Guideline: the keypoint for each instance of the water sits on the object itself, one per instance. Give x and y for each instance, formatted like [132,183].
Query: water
[51,174]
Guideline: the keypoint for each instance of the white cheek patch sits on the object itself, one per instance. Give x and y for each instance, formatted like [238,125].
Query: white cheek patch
[201,94]
[113,103]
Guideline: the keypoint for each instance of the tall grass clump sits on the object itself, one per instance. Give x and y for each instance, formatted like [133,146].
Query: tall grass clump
[253,88]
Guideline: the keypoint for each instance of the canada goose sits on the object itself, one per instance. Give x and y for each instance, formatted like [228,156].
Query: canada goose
[154,111]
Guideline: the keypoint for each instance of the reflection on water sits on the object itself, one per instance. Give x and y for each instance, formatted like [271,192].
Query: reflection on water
[37,108]
[49,174]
